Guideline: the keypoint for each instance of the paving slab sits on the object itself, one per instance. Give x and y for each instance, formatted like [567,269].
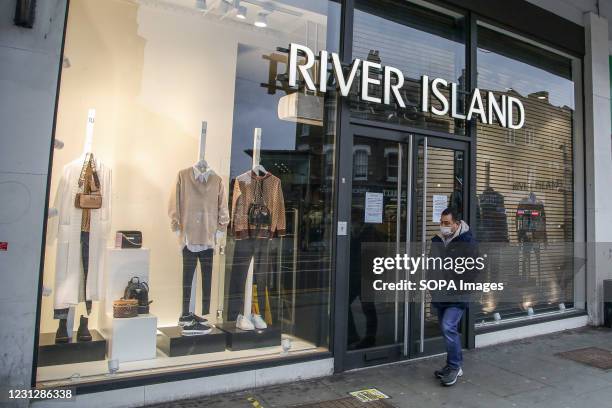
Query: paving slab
[522,374]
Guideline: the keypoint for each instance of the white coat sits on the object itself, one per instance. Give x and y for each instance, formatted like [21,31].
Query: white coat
[67,234]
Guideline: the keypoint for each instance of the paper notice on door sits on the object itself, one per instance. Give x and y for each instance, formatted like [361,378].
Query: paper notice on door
[373,208]
[440,203]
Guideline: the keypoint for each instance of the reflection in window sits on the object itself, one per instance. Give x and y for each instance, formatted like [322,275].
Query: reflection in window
[360,162]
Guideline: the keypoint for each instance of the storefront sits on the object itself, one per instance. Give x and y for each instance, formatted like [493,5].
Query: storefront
[260,180]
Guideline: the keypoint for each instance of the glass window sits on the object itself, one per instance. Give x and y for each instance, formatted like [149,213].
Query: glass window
[418,41]
[192,201]
[360,162]
[525,182]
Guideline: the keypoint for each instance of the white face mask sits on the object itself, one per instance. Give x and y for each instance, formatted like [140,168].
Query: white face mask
[446,231]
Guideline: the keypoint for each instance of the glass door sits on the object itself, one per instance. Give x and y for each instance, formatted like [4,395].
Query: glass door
[440,182]
[395,179]
[378,228]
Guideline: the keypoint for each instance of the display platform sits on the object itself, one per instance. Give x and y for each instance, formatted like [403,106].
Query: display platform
[173,344]
[132,339]
[74,351]
[244,340]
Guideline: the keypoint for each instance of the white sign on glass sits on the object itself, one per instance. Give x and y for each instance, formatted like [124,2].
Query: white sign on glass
[373,208]
[440,203]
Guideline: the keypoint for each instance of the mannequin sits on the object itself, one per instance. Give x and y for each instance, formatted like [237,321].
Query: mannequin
[81,236]
[199,216]
[258,216]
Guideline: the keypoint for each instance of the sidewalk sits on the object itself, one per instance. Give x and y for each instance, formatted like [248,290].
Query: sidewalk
[525,373]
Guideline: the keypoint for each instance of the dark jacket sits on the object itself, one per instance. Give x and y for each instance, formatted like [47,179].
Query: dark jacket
[463,245]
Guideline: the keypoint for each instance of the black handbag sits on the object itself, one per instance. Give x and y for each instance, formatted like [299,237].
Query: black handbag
[259,213]
[128,239]
[138,290]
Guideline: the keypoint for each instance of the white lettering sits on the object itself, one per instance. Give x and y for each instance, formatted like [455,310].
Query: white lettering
[366,81]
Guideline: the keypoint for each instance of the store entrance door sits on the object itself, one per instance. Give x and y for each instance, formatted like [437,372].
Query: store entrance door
[400,182]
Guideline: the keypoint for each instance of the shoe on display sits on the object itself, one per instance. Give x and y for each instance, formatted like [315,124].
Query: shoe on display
[61,335]
[83,333]
[258,322]
[196,329]
[188,318]
[243,323]
[442,372]
[451,376]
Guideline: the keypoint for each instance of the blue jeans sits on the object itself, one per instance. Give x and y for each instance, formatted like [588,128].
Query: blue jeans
[450,318]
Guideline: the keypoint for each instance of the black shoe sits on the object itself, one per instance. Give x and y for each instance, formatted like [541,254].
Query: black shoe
[196,329]
[451,376]
[61,335]
[188,318]
[83,333]
[441,372]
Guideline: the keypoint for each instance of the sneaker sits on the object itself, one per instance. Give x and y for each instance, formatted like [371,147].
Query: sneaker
[243,323]
[188,318]
[451,376]
[196,329]
[441,372]
[258,322]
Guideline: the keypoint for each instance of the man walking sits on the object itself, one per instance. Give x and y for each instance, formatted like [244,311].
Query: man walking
[454,241]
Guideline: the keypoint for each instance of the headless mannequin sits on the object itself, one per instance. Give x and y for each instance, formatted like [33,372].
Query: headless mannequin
[192,253]
[66,319]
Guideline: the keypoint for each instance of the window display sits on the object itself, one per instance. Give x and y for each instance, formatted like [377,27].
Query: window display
[218,246]
[525,183]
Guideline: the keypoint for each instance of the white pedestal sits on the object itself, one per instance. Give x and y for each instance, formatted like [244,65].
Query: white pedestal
[132,339]
[121,266]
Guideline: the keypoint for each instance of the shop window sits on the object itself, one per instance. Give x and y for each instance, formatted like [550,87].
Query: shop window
[525,187]
[177,115]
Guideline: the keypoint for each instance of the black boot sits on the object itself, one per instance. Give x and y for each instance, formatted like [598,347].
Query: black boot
[83,333]
[61,335]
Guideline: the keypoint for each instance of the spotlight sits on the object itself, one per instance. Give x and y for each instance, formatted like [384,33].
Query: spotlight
[241,13]
[562,307]
[262,20]
[530,311]
[496,316]
[201,5]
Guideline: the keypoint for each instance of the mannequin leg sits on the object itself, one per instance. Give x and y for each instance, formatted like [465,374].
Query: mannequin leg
[190,260]
[243,251]
[206,264]
[85,262]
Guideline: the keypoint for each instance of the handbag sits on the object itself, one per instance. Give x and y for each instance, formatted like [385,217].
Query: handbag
[91,200]
[128,239]
[138,291]
[124,308]
[259,213]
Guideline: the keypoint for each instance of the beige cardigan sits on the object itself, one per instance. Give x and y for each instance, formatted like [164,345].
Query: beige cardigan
[198,209]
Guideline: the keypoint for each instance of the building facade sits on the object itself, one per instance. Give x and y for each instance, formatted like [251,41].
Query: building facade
[262,155]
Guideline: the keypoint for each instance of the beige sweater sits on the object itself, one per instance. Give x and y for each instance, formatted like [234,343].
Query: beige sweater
[198,209]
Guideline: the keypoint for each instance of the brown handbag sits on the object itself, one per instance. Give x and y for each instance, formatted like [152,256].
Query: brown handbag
[124,308]
[88,201]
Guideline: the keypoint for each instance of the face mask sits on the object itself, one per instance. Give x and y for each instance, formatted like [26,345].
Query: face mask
[446,231]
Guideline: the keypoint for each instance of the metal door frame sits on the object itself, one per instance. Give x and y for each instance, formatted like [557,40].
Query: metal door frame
[402,350]
[417,313]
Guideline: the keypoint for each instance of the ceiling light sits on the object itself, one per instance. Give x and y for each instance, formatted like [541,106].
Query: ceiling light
[241,13]
[201,5]
[262,20]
